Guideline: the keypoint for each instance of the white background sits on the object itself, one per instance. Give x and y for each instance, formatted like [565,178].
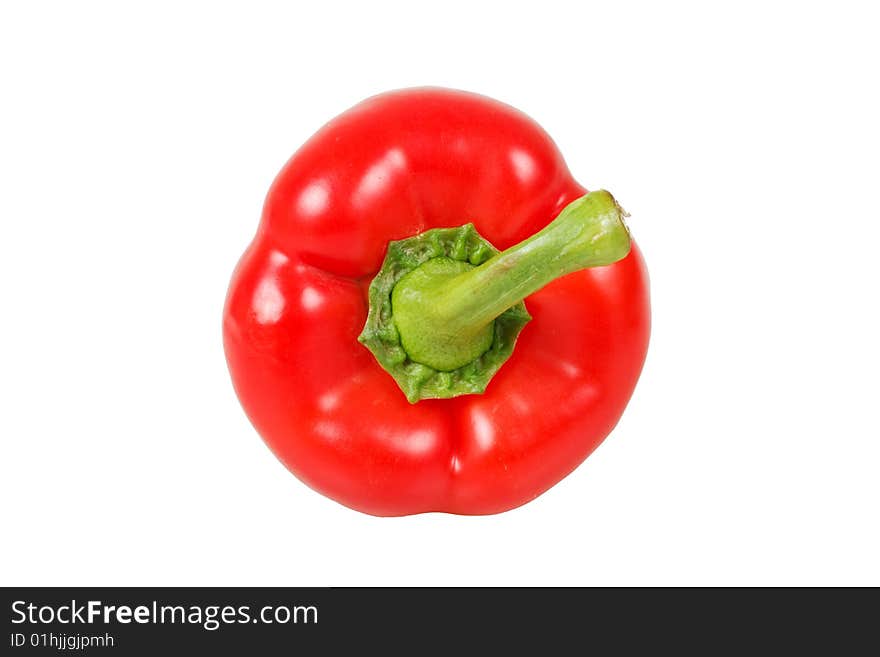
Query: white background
[137,144]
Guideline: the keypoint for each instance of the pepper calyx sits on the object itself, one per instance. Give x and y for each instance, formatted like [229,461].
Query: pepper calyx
[435,248]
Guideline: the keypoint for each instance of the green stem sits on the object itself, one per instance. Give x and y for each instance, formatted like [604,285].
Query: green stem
[588,233]
[444,310]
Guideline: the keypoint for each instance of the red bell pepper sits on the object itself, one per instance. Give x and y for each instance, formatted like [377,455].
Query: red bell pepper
[394,367]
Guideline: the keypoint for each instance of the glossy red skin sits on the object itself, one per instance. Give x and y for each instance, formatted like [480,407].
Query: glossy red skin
[391,167]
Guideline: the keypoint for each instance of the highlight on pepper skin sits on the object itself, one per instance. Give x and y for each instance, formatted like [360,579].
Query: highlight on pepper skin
[433,314]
